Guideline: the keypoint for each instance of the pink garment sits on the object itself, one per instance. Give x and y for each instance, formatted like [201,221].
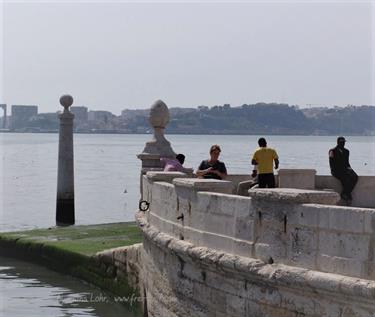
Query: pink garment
[171,165]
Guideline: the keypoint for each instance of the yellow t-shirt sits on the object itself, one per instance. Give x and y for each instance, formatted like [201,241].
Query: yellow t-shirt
[264,156]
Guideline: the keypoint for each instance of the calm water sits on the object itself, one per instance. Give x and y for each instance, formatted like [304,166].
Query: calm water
[30,290]
[107,170]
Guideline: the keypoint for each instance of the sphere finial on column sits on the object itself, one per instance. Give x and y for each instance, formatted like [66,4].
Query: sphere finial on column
[66,101]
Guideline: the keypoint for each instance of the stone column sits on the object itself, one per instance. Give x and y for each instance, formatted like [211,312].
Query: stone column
[65,174]
[159,146]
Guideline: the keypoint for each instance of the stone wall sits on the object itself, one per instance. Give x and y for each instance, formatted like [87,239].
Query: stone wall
[181,279]
[363,193]
[287,228]
[281,252]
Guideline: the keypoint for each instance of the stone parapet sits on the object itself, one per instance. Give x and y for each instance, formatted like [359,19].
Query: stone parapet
[295,196]
[363,193]
[284,226]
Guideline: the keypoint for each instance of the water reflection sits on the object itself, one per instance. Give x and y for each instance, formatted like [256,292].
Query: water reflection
[31,290]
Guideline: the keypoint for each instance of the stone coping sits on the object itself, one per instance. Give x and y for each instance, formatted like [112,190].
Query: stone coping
[296,170]
[201,184]
[149,156]
[157,176]
[296,196]
[277,274]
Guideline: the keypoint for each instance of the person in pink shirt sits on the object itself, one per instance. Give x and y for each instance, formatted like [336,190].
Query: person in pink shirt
[173,165]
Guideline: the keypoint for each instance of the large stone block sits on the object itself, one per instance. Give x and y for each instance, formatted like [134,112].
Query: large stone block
[304,215]
[369,222]
[297,178]
[269,253]
[243,248]
[344,245]
[347,219]
[243,207]
[244,228]
[220,224]
[236,305]
[218,242]
[297,196]
[218,301]
[221,281]
[202,293]
[207,185]
[341,265]
[303,247]
[263,293]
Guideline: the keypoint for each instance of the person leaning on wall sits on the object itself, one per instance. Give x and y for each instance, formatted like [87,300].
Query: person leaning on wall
[212,168]
[173,165]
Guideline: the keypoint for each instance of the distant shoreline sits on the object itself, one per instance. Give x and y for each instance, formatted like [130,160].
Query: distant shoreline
[188,133]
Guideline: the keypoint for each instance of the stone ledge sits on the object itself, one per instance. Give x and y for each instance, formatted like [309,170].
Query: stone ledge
[156,176]
[275,274]
[296,196]
[207,185]
[296,170]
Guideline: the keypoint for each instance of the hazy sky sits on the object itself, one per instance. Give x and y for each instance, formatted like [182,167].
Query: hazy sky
[126,55]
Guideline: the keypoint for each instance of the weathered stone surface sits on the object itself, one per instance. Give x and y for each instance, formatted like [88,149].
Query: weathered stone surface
[157,176]
[297,178]
[222,284]
[291,195]
[210,185]
[362,194]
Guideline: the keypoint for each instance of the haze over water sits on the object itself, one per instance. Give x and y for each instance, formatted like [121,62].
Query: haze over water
[107,170]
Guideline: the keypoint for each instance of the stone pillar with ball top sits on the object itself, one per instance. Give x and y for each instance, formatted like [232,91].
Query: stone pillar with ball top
[159,146]
[65,174]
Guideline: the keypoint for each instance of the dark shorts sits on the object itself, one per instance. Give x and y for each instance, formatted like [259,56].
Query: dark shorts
[266,180]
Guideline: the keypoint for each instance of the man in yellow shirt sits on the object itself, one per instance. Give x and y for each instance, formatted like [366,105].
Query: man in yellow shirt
[263,158]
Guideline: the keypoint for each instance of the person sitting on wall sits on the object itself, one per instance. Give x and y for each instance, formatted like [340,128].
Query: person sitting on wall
[173,165]
[212,168]
[340,168]
[264,157]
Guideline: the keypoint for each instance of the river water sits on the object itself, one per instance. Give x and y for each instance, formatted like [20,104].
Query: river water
[34,291]
[107,170]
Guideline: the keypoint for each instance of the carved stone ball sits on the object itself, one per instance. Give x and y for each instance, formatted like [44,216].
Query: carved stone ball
[159,114]
[66,101]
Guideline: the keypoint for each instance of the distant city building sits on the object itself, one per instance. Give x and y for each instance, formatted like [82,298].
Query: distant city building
[130,113]
[4,118]
[80,113]
[21,116]
[100,116]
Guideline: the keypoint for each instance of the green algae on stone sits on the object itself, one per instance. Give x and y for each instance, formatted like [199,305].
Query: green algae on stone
[70,250]
[86,240]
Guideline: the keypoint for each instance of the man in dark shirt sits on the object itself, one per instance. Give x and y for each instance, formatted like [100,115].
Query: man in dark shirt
[212,168]
[340,168]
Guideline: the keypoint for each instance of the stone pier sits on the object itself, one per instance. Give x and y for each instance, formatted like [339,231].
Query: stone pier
[283,252]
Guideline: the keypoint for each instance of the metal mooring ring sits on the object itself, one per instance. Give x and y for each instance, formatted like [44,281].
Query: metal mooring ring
[143,205]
